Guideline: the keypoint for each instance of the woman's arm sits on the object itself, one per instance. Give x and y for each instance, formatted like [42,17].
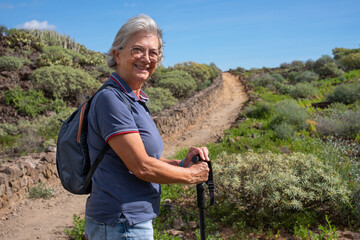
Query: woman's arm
[130,148]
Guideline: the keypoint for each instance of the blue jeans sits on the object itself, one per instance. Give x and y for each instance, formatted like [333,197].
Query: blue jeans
[95,230]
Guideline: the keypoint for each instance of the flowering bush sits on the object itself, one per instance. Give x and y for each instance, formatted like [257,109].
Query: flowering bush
[266,186]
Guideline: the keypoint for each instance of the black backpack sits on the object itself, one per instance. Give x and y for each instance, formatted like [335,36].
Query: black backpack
[72,154]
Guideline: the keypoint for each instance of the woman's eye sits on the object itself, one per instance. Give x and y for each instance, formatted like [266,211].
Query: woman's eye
[137,49]
[154,53]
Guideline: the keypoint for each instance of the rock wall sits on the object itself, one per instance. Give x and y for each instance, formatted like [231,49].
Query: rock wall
[183,114]
[17,176]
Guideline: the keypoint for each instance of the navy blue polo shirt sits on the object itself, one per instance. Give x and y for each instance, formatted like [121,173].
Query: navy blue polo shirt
[115,190]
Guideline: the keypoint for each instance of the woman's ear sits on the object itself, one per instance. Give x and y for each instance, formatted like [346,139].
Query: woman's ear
[116,56]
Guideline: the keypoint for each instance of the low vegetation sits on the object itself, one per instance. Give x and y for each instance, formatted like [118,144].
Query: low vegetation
[289,167]
[40,190]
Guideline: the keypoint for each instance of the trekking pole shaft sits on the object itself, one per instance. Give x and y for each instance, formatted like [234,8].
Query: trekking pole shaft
[202,224]
[201,206]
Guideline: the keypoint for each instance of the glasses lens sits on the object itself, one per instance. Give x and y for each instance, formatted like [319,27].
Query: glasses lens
[138,52]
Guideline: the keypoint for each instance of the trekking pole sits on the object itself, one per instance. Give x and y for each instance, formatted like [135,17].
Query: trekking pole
[201,197]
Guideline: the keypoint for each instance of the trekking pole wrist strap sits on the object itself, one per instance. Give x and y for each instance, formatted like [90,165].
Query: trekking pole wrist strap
[182,162]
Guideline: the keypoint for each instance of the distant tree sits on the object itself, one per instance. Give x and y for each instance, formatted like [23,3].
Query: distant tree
[348,59]
[3,29]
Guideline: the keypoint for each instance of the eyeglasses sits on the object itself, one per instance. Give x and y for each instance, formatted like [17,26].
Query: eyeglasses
[139,52]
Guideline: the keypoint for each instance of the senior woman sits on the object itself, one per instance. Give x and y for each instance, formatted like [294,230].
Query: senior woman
[125,193]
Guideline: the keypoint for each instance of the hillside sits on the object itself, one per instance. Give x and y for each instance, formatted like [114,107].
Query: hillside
[44,75]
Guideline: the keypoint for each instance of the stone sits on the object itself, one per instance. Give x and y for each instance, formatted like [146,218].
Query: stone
[49,157]
[4,179]
[14,172]
[15,185]
[2,189]
[174,232]
[193,225]
[178,223]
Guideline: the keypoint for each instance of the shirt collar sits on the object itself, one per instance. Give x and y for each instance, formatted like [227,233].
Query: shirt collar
[126,89]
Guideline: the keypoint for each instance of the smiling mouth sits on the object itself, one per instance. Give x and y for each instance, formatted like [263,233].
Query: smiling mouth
[142,67]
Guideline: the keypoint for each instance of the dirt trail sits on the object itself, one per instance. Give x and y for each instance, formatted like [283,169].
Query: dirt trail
[47,219]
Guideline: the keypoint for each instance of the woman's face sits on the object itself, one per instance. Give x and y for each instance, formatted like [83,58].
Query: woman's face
[136,61]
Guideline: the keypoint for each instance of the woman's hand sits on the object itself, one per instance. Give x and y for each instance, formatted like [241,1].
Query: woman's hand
[199,172]
[203,152]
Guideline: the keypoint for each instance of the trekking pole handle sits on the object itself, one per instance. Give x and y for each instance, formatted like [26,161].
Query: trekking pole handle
[196,158]
[209,182]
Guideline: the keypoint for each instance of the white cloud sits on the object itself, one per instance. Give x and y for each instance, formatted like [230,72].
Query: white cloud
[34,24]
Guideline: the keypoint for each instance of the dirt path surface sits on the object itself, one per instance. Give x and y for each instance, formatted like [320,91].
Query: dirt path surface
[46,219]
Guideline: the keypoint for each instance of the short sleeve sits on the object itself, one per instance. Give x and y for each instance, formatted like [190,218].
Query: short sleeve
[112,115]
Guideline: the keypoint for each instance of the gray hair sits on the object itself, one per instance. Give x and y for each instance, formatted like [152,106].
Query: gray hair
[140,23]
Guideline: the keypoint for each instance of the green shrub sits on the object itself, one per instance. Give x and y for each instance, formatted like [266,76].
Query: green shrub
[8,135]
[263,188]
[90,58]
[32,102]
[200,72]
[75,56]
[350,61]
[306,76]
[262,81]
[21,39]
[63,81]
[7,128]
[285,88]
[157,75]
[35,135]
[159,99]
[179,82]
[326,67]
[277,78]
[104,69]
[297,65]
[339,123]
[3,29]
[345,93]
[284,131]
[352,76]
[260,110]
[289,112]
[9,63]
[78,229]
[303,90]
[56,55]
[272,82]
[41,191]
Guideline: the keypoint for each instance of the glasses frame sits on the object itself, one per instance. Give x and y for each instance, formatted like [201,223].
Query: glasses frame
[139,52]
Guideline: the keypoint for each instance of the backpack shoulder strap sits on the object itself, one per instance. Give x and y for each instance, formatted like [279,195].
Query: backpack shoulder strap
[102,153]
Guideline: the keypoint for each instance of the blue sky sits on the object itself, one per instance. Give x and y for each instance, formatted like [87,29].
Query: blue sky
[229,33]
